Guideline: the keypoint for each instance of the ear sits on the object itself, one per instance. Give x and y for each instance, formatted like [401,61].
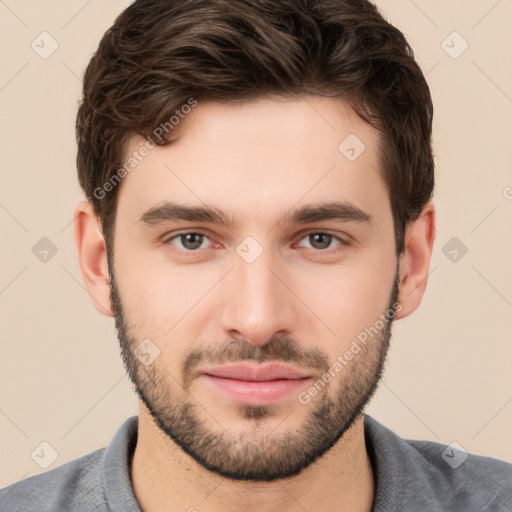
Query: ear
[415,260]
[92,255]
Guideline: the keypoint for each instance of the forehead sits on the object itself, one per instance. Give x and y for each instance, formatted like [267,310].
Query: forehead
[260,156]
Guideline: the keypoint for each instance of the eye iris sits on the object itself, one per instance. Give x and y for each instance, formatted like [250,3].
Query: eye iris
[324,239]
[191,240]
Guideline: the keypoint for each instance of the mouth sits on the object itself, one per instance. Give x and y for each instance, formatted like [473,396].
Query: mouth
[256,385]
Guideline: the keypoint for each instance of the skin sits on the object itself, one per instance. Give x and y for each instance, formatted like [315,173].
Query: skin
[255,161]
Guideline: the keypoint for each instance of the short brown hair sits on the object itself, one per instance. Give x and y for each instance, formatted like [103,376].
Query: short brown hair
[161,53]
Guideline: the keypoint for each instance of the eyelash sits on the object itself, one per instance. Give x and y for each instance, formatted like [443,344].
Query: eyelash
[341,242]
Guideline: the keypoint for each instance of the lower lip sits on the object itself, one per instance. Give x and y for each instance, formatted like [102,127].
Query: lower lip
[257,393]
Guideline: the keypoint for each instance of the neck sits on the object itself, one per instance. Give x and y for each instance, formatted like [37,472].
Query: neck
[165,478]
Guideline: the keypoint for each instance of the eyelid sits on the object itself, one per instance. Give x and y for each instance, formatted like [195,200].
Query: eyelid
[170,236]
[334,234]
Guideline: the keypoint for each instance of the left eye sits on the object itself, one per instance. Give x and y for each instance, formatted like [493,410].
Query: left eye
[321,241]
[193,241]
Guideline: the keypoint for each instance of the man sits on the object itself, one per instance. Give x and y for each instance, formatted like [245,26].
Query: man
[259,178]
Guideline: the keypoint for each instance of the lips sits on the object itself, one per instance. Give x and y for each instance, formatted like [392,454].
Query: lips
[255,385]
[258,373]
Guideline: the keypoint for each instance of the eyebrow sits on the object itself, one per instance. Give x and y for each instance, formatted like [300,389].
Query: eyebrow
[171,211]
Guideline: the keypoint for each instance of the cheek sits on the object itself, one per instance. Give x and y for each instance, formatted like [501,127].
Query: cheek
[349,298]
[159,297]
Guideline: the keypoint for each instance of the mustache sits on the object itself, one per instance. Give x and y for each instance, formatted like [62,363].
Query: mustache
[280,349]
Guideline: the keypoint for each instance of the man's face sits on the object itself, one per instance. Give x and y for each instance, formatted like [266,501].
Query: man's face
[261,290]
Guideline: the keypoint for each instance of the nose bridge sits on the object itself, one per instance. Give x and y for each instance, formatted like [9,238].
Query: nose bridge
[258,304]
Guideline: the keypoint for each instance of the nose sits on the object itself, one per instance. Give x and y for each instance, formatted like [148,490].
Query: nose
[257,301]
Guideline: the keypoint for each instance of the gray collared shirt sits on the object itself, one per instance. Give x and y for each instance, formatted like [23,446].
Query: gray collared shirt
[410,476]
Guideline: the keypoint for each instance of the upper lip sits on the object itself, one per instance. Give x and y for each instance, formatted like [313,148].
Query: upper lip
[257,373]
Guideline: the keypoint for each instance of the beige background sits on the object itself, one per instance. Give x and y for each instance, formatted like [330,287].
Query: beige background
[449,373]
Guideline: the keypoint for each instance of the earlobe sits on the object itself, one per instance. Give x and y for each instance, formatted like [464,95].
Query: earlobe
[415,260]
[92,256]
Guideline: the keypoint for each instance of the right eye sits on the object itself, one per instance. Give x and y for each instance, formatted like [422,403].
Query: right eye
[189,241]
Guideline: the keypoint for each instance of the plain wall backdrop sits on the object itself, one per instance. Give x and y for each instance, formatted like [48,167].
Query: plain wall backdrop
[448,376]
